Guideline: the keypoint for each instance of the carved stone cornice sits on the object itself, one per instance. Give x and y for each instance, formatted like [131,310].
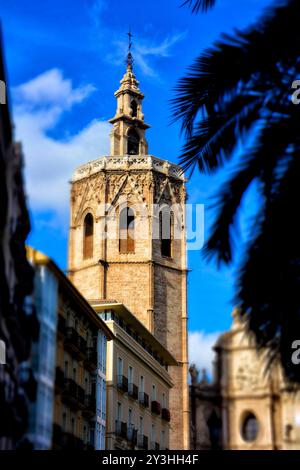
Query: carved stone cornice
[129,162]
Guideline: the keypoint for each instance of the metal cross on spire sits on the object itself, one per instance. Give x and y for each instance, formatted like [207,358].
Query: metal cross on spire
[129,60]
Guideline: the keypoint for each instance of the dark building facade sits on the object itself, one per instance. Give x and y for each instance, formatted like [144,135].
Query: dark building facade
[17,323]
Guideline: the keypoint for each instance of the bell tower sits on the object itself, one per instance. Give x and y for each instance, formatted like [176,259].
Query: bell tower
[128,133]
[117,248]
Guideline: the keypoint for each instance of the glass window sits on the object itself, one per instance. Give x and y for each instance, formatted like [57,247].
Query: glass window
[88,236]
[120,366]
[119,411]
[153,392]
[126,231]
[250,427]
[165,231]
[142,384]
[130,374]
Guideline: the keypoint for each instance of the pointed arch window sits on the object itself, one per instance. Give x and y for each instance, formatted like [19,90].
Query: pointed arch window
[134,108]
[165,231]
[88,236]
[133,142]
[126,229]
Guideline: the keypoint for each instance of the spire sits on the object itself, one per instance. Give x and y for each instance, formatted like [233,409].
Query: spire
[128,133]
[129,59]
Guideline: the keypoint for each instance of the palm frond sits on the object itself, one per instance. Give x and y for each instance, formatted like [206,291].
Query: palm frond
[199,5]
[261,161]
[216,136]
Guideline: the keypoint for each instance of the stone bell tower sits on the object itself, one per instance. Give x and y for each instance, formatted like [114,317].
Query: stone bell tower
[128,133]
[117,249]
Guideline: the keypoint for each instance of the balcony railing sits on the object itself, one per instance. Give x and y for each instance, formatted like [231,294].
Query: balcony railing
[80,395]
[144,399]
[155,407]
[61,325]
[121,429]
[142,441]
[122,383]
[133,391]
[69,441]
[75,343]
[165,414]
[70,388]
[154,446]
[132,434]
[89,410]
[90,402]
[73,394]
[90,361]
[59,379]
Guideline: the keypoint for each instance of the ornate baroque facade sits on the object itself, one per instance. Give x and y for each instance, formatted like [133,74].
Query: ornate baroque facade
[249,405]
[145,273]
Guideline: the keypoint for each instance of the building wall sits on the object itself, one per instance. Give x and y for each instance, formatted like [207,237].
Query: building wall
[18,325]
[77,427]
[133,355]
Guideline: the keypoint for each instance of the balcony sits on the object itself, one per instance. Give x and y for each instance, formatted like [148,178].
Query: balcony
[133,391]
[59,379]
[90,361]
[121,429]
[89,410]
[81,347]
[69,441]
[74,343]
[142,442]
[154,446]
[61,326]
[132,435]
[81,396]
[88,446]
[155,407]
[144,399]
[57,436]
[122,383]
[70,392]
[165,414]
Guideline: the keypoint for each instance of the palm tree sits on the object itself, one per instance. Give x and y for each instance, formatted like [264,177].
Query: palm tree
[241,88]
[197,5]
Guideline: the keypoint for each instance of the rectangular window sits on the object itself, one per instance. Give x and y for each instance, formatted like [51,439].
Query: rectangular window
[142,384]
[153,393]
[163,440]
[153,433]
[119,411]
[141,425]
[66,369]
[103,399]
[164,401]
[120,366]
[130,374]
[130,417]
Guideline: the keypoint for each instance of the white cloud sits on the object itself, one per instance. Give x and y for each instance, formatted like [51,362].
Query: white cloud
[200,349]
[145,52]
[51,88]
[49,161]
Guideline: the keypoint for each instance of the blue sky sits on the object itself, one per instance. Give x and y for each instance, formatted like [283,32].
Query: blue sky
[65,60]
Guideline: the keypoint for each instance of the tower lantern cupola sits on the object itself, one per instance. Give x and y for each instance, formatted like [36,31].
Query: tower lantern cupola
[128,133]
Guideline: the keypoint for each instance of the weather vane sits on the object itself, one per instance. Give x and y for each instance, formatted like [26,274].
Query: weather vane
[129,60]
